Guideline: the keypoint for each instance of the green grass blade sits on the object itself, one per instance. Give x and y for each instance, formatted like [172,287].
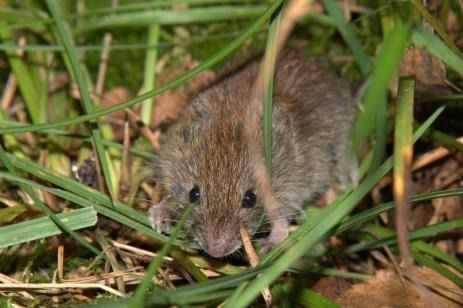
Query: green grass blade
[306,227]
[150,72]
[423,38]
[30,90]
[44,227]
[187,263]
[446,140]
[126,47]
[140,294]
[218,288]
[348,33]
[75,187]
[391,240]
[373,115]
[369,214]
[10,141]
[403,156]
[309,298]
[332,272]
[149,155]
[268,76]
[418,248]
[102,209]
[327,220]
[55,10]
[28,190]
[437,254]
[429,262]
[9,213]
[144,6]
[219,56]
[437,26]
[174,17]
[306,298]
[441,98]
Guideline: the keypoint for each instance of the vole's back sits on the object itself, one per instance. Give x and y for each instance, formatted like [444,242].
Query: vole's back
[312,119]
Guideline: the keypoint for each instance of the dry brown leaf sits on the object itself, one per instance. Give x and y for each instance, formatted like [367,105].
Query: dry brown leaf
[202,79]
[453,26]
[331,287]
[168,107]
[112,97]
[459,246]
[170,103]
[429,71]
[446,246]
[115,96]
[450,207]
[386,291]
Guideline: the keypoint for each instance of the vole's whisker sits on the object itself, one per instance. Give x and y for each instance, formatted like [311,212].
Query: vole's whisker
[139,199]
[263,231]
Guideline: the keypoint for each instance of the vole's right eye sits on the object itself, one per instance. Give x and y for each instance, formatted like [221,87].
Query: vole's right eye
[194,194]
[249,199]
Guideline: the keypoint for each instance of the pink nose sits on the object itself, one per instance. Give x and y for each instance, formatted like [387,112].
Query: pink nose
[218,248]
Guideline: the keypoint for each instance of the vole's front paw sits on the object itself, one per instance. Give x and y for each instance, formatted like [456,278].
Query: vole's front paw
[279,233]
[159,218]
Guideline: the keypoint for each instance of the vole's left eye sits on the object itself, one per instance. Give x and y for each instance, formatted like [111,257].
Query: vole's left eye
[194,194]
[249,199]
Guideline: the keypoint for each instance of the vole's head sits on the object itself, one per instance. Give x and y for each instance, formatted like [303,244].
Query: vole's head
[207,162]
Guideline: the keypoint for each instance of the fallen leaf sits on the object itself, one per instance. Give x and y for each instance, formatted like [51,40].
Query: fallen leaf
[115,96]
[331,287]
[385,290]
[430,73]
[168,107]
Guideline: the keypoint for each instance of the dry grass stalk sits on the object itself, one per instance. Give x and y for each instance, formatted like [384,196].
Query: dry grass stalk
[254,261]
[109,252]
[9,92]
[432,156]
[125,179]
[104,57]
[7,279]
[30,138]
[153,137]
[60,266]
[422,161]
[292,12]
[150,255]
[101,182]
[56,288]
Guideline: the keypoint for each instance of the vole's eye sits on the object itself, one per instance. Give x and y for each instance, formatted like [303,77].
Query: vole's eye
[194,194]
[249,199]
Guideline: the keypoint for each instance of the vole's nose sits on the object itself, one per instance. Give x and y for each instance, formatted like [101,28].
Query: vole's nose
[218,248]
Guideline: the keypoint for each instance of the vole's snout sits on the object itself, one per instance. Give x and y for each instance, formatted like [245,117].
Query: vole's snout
[217,248]
[219,245]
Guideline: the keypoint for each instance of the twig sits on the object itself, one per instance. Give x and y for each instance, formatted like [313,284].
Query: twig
[153,137]
[6,279]
[254,261]
[422,161]
[125,179]
[9,92]
[107,40]
[432,156]
[111,257]
[56,287]
[60,267]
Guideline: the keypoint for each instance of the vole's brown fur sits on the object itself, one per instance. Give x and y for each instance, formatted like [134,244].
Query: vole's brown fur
[208,147]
